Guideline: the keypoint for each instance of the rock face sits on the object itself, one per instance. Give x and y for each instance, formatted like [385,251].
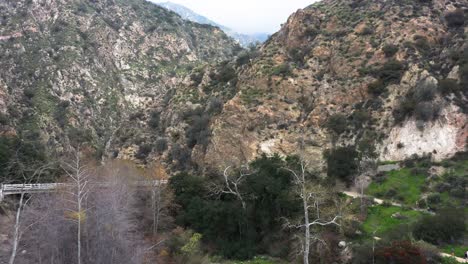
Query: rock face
[336,58]
[136,81]
[77,71]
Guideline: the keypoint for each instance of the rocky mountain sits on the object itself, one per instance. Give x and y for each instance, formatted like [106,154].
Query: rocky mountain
[186,13]
[374,79]
[386,80]
[76,71]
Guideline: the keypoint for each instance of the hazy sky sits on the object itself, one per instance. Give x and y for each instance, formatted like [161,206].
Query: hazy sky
[246,16]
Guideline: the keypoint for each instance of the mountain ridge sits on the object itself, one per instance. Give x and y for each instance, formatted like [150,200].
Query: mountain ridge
[186,13]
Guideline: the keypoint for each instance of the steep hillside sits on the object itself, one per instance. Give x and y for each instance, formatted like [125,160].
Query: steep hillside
[385,78]
[75,71]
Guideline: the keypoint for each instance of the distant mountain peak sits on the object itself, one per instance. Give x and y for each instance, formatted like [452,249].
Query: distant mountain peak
[188,14]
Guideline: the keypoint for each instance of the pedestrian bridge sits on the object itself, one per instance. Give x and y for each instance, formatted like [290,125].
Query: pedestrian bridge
[10,189]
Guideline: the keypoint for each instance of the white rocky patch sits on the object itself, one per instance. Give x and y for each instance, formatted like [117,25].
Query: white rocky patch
[443,137]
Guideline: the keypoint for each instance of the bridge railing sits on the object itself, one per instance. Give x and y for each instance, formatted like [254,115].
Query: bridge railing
[9,189]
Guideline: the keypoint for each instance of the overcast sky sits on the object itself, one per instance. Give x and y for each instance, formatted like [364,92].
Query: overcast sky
[246,16]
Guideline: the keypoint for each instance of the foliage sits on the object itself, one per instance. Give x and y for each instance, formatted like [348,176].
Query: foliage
[283,70]
[422,44]
[447,86]
[198,132]
[161,145]
[446,226]
[215,106]
[455,18]
[391,71]
[342,163]
[237,232]
[390,50]
[154,119]
[337,123]
[406,185]
[181,156]
[458,250]
[400,252]
[376,88]
[143,151]
[419,102]
[380,219]
[426,111]
[18,156]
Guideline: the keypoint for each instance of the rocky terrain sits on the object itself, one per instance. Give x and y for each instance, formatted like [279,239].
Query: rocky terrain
[135,81]
[353,73]
[76,71]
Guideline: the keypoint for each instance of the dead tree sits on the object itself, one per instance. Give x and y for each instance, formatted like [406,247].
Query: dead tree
[18,229]
[311,197]
[367,168]
[231,183]
[79,175]
[158,188]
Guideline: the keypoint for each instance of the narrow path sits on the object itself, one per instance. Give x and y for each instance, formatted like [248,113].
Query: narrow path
[456,258]
[380,201]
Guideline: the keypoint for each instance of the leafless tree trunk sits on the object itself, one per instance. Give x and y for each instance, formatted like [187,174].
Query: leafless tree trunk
[23,202]
[367,167]
[79,175]
[232,183]
[310,197]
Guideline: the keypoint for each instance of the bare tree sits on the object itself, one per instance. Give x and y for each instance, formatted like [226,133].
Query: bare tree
[19,229]
[79,175]
[311,197]
[158,177]
[367,168]
[231,183]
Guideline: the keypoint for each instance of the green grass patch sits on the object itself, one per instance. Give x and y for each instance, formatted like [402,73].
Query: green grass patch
[459,250]
[380,218]
[405,186]
[255,260]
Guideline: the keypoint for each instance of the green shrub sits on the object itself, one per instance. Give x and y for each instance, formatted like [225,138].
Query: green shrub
[464,76]
[404,108]
[421,43]
[282,70]
[447,86]
[161,145]
[367,30]
[342,163]
[226,74]
[337,124]
[376,88]
[433,198]
[143,151]
[359,118]
[391,71]
[455,18]
[154,119]
[198,132]
[390,50]
[426,111]
[447,226]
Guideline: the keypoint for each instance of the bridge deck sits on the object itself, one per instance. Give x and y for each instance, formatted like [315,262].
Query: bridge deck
[10,189]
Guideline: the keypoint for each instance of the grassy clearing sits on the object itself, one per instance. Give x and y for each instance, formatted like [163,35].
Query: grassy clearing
[380,217]
[255,260]
[405,185]
[459,250]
